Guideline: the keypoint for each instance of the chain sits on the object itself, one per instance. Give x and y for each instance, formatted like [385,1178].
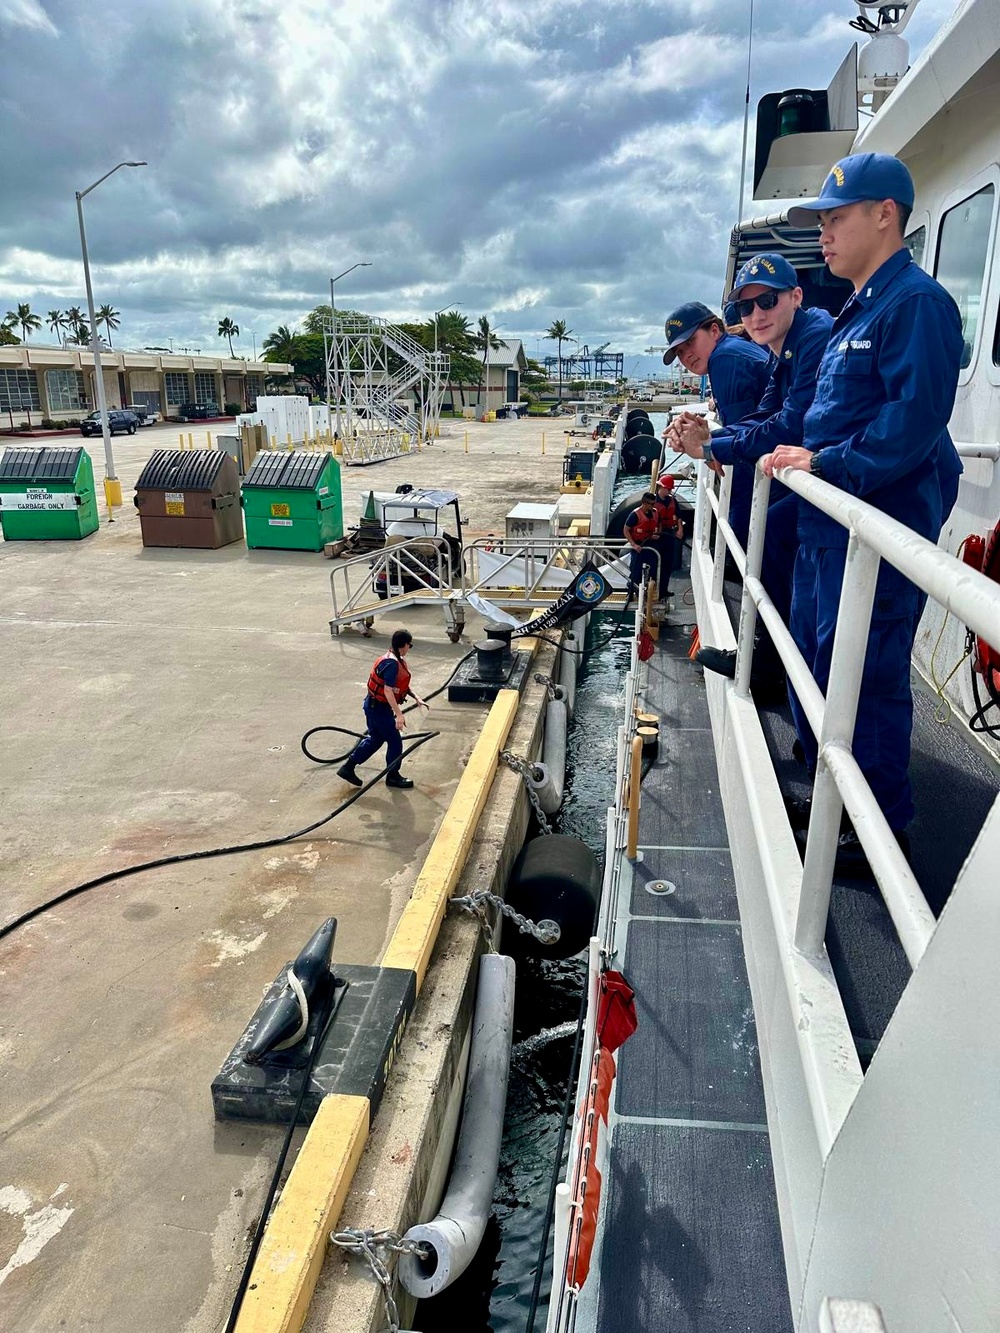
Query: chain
[545,932]
[548,682]
[519,765]
[367,1244]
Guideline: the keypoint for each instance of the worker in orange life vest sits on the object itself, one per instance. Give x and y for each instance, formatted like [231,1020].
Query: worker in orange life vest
[642,532]
[671,532]
[388,686]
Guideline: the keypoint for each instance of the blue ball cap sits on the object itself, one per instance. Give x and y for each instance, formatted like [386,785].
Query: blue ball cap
[680,325]
[856,180]
[764,271]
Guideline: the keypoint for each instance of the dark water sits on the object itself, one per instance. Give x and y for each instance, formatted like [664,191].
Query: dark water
[495,1291]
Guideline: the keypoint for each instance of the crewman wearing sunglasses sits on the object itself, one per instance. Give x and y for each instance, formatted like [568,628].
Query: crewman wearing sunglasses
[767,299]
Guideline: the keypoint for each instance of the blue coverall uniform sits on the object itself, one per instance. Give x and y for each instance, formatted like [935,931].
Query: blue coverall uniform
[778,420]
[879,419]
[739,372]
[381,722]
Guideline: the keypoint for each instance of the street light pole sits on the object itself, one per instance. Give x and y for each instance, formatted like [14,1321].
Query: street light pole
[364,263]
[112,486]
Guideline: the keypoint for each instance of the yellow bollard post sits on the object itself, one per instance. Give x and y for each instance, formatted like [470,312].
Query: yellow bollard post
[288,438]
[191,440]
[180,437]
[466,441]
[208,435]
[543,444]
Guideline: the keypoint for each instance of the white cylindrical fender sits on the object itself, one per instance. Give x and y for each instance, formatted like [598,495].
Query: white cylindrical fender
[454,1236]
[569,664]
[548,777]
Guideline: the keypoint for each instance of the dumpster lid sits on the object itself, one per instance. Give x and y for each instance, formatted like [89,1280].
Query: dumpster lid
[294,470]
[40,463]
[182,470]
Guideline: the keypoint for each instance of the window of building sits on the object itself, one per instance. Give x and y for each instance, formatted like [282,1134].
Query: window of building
[916,243]
[65,390]
[255,388]
[176,385]
[19,391]
[961,259]
[204,387]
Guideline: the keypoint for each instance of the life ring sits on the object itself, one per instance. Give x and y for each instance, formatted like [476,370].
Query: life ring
[555,878]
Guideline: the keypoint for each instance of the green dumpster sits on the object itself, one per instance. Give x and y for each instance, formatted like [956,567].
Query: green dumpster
[47,494]
[291,499]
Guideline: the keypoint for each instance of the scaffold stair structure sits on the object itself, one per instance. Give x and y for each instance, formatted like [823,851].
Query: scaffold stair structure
[370,365]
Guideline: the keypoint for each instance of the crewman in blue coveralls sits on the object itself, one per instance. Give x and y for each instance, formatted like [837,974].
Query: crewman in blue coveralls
[768,301]
[739,372]
[877,428]
[388,686]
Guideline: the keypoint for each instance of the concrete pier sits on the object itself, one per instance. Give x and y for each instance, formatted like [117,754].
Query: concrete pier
[152,703]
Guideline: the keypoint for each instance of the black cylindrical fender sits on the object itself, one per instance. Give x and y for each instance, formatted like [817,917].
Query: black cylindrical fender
[555,878]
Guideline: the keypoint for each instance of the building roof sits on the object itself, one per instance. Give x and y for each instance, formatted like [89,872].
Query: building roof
[509,353]
[48,356]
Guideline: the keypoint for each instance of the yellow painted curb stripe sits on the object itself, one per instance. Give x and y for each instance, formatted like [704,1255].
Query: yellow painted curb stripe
[294,1246]
[417,929]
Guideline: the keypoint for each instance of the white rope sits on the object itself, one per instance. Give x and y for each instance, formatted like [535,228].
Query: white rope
[296,987]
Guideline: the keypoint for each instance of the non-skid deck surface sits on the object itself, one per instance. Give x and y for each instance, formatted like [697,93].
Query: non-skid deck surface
[691,1241]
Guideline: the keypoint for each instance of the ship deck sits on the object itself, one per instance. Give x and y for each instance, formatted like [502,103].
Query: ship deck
[689,1236]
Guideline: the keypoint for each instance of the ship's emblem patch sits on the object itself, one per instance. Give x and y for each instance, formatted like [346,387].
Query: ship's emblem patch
[591,588]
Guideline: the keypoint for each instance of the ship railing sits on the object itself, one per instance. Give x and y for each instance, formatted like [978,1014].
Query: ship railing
[407,572]
[533,571]
[839,783]
[570,1262]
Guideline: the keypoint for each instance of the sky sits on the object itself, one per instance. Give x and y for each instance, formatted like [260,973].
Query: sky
[533,162]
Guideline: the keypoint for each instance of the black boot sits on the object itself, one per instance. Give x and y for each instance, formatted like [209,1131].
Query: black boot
[719,660]
[346,771]
[396,779]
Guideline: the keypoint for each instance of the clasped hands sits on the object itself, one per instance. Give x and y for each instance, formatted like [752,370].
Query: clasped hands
[688,433]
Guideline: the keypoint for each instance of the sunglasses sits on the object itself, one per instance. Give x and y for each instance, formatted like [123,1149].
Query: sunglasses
[766,301]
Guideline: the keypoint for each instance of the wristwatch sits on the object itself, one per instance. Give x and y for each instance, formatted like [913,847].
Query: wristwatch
[707,451]
[816,464]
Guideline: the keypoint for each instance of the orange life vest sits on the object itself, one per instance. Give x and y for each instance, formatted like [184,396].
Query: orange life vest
[667,511]
[377,687]
[644,528]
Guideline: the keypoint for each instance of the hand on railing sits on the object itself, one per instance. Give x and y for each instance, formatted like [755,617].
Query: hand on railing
[787,455]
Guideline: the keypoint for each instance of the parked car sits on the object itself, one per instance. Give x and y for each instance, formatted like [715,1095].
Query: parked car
[199,411]
[120,421]
[147,416]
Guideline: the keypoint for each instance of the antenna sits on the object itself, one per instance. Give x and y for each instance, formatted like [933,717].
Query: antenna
[746,118]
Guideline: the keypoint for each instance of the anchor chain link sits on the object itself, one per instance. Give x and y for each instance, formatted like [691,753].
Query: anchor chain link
[550,685]
[545,932]
[519,765]
[369,1245]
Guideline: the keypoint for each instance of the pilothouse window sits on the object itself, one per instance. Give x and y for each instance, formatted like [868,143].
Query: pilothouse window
[916,243]
[961,259]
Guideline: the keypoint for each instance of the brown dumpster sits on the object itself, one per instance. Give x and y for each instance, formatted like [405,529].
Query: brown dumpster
[189,498]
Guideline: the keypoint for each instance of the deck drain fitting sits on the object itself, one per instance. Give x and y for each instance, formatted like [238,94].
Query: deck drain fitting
[659,888]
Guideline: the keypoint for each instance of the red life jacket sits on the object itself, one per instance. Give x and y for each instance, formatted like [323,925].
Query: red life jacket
[644,529]
[667,511]
[377,687]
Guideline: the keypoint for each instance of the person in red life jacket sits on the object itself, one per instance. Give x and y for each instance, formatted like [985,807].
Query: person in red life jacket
[642,532]
[671,531]
[388,687]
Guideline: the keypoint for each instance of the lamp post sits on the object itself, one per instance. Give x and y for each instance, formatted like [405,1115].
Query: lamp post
[112,486]
[437,314]
[332,375]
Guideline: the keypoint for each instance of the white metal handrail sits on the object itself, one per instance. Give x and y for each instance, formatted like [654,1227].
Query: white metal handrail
[539,567]
[401,560]
[873,537]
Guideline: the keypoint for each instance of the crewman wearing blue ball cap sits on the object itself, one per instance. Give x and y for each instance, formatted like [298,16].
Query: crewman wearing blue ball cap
[878,429]
[767,298]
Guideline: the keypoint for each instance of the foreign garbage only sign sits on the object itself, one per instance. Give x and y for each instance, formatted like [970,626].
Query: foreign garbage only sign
[36,497]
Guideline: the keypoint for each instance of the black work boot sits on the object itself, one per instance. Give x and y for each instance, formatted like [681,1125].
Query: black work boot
[719,660]
[396,779]
[346,771]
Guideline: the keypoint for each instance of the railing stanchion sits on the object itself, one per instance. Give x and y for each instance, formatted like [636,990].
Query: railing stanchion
[748,607]
[719,572]
[846,666]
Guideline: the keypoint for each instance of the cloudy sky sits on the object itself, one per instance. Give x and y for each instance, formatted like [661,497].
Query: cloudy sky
[534,161]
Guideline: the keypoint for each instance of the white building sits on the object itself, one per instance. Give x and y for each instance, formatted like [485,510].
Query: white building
[39,382]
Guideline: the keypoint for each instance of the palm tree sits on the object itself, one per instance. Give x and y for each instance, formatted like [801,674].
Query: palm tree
[227,329]
[558,332]
[56,321]
[486,339]
[110,318]
[281,345]
[76,321]
[23,316]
